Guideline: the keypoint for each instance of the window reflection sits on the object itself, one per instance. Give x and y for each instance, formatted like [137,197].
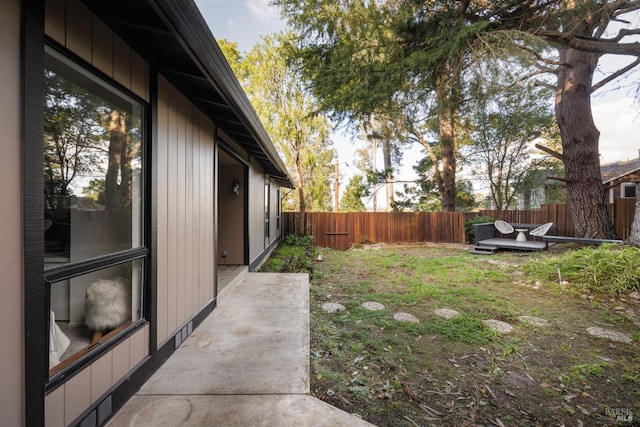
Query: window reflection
[92,165]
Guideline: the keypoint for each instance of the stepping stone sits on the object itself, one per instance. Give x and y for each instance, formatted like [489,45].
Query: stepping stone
[373,306]
[609,334]
[498,326]
[534,321]
[406,317]
[447,313]
[332,307]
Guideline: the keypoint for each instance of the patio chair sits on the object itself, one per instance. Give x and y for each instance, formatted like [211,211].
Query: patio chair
[542,230]
[503,227]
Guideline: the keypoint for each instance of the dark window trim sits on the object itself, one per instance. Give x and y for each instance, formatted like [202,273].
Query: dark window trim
[94,264]
[79,268]
[36,369]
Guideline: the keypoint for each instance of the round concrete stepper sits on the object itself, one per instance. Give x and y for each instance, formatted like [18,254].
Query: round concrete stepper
[332,307]
[534,321]
[498,326]
[406,317]
[446,313]
[609,334]
[373,306]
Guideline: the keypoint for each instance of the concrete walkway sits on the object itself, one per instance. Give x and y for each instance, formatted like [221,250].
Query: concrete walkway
[247,364]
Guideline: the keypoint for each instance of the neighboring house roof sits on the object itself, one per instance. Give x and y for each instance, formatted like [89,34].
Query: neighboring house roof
[616,171]
[174,37]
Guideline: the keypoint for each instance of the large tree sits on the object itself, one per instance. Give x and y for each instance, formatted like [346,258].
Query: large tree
[578,31]
[288,110]
[367,59]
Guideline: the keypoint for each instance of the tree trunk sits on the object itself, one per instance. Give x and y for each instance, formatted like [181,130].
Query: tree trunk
[116,143]
[388,173]
[301,197]
[634,235]
[446,128]
[580,137]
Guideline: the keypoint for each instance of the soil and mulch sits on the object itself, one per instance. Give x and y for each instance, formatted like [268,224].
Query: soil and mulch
[411,336]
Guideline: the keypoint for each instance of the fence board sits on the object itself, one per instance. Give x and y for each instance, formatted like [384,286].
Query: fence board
[342,230]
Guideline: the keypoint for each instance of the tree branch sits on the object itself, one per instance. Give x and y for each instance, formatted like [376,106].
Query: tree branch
[544,84]
[550,152]
[559,178]
[615,75]
[592,45]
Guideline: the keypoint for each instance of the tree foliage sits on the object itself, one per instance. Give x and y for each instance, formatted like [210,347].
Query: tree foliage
[287,109]
[502,127]
[364,57]
[354,192]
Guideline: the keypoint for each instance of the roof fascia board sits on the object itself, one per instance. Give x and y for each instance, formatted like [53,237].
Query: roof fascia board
[185,21]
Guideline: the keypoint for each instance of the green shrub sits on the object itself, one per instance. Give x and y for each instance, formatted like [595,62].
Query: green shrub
[609,269]
[297,240]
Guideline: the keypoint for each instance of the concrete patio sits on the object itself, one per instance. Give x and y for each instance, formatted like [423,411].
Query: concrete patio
[247,364]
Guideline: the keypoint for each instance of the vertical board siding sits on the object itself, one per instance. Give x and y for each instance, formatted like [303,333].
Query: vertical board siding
[342,230]
[162,214]
[256,210]
[172,209]
[185,210]
[209,210]
[181,216]
[67,402]
[11,251]
[71,23]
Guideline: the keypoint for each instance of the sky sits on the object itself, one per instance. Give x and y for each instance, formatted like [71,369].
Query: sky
[616,114]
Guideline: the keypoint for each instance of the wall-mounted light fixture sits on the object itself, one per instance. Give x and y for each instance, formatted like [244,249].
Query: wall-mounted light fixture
[236,187]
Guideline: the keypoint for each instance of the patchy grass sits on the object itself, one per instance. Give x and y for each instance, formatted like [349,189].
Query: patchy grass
[610,269]
[457,372]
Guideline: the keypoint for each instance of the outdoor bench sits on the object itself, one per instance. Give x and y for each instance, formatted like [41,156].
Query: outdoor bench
[585,241]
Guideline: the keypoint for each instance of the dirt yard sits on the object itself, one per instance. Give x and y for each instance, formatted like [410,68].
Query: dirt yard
[436,367]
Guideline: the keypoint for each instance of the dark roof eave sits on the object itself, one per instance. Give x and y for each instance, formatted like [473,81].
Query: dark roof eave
[180,23]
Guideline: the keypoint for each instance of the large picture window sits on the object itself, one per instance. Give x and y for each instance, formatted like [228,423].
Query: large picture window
[93,200]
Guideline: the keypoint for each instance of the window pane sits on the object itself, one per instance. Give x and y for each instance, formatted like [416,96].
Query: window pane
[629,190]
[92,165]
[85,308]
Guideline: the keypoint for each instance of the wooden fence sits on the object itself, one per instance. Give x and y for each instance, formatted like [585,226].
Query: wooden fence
[342,230]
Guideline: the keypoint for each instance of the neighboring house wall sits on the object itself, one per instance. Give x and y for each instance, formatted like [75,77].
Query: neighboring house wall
[11,250]
[186,195]
[628,180]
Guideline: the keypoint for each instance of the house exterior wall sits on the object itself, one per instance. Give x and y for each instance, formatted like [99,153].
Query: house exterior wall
[186,195]
[11,313]
[73,26]
[274,218]
[64,404]
[182,157]
[231,236]
[256,211]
